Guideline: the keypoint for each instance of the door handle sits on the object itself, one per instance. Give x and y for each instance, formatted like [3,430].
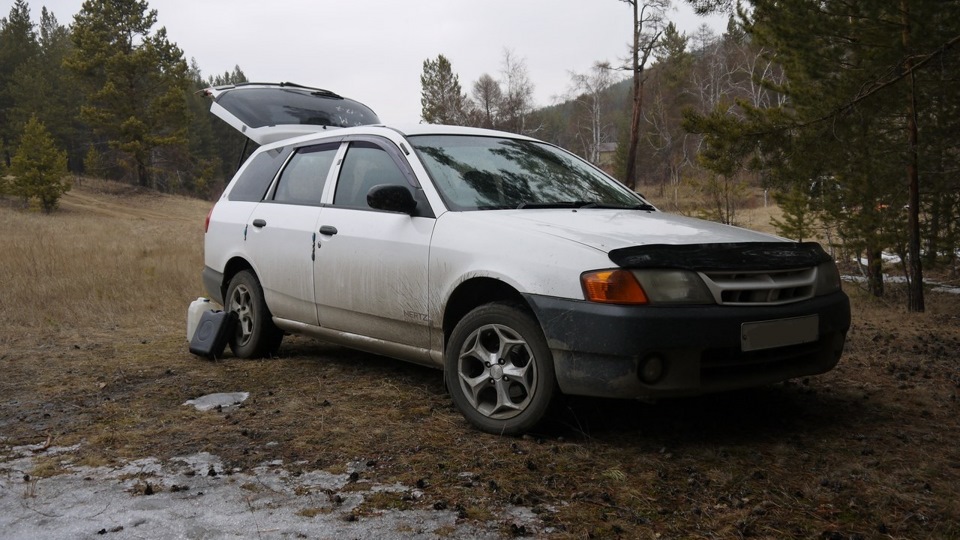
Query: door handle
[328,230]
[259,223]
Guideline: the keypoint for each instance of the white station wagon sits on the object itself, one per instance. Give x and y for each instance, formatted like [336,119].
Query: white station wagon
[519,269]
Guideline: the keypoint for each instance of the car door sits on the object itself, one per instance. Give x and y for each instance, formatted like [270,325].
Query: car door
[282,231]
[371,266]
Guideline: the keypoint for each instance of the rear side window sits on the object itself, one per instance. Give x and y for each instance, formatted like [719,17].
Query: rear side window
[255,179]
[302,180]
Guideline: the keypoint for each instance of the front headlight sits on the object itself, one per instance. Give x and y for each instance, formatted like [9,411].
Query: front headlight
[612,287]
[828,279]
[673,287]
[645,287]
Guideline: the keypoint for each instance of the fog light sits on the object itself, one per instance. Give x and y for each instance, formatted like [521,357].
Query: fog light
[651,369]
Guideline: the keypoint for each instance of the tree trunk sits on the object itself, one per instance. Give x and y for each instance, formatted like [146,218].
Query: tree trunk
[631,173]
[875,271]
[915,301]
[143,176]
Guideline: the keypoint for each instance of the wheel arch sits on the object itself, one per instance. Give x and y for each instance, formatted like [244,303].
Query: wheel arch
[232,268]
[476,292]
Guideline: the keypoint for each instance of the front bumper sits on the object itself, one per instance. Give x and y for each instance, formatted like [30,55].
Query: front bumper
[600,349]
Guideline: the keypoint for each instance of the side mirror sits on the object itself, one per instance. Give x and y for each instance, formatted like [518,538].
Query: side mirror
[391,198]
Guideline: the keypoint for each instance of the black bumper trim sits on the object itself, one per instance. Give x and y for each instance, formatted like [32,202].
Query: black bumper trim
[212,281]
[598,348]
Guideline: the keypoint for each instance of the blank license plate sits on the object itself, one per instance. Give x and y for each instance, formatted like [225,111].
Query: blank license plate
[757,336]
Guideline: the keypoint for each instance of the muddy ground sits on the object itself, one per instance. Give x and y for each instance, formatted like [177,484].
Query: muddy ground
[869,450]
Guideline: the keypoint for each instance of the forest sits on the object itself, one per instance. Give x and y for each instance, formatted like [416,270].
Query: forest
[845,112]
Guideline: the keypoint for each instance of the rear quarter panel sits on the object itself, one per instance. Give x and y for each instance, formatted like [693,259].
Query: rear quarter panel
[225,236]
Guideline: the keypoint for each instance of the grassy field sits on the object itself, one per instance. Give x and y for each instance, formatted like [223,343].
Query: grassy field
[92,352]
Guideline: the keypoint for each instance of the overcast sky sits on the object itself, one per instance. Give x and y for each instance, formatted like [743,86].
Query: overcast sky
[373,50]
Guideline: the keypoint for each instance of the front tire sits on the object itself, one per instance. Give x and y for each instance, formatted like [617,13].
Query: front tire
[499,370]
[255,335]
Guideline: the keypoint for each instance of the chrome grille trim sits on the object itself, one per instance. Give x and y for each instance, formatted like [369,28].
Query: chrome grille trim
[765,287]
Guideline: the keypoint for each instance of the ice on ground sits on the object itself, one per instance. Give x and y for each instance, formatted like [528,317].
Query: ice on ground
[946,289]
[937,287]
[222,400]
[195,497]
[888,258]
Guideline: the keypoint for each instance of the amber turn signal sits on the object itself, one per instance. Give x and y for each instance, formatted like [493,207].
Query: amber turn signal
[612,287]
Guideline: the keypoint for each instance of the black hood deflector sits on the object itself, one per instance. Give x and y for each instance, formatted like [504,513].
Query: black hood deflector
[732,256]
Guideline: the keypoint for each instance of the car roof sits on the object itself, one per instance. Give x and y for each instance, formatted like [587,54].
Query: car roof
[412,130]
[270,112]
[401,131]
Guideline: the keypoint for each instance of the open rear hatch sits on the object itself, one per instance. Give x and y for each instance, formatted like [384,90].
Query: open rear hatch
[267,112]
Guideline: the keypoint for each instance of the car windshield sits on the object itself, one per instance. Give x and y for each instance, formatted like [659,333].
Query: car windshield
[493,173]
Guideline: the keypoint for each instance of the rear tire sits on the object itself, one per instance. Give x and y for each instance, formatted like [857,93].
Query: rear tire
[499,370]
[255,335]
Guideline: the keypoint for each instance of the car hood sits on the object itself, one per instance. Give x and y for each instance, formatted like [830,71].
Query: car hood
[606,230]
[267,113]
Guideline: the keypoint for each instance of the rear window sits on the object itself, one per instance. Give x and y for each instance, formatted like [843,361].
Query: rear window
[255,179]
[259,107]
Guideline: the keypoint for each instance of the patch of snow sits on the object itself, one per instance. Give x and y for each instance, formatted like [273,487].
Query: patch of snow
[937,287]
[946,289]
[193,497]
[222,400]
[888,258]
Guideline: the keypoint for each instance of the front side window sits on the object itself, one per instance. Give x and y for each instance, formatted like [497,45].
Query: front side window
[302,180]
[366,165]
[489,173]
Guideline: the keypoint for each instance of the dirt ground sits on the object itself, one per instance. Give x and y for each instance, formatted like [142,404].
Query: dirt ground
[869,450]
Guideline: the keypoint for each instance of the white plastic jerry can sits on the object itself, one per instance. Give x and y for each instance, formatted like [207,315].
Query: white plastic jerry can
[196,309]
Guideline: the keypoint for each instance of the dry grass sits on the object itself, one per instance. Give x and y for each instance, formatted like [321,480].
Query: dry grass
[753,212]
[93,352]
[112,255]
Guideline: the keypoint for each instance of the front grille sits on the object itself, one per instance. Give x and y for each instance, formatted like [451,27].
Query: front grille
[771,287]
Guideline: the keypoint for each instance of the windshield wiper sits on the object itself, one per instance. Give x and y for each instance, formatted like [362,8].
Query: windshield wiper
[585,204]
[641,206]
[555,204]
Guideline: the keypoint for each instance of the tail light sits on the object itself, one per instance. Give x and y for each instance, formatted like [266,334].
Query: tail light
[206,223]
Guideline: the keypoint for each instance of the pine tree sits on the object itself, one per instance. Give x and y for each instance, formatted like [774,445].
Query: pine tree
[135,81]
[18,45]
[94,165]
[799,220]
[41,87]
[4,182]
[230,142]
[441,98]
[864,84]
[39,168]
[668,145]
